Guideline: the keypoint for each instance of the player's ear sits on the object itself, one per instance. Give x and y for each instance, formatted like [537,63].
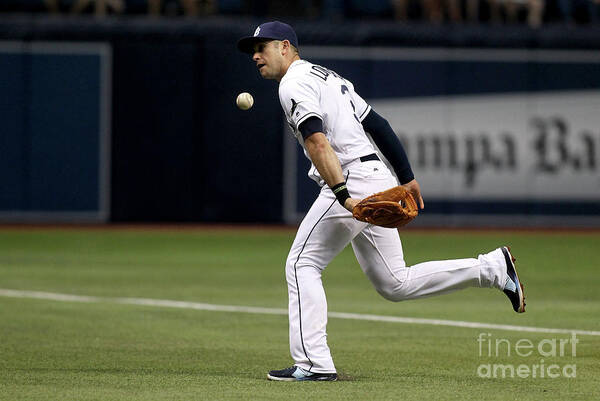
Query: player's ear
[285,46]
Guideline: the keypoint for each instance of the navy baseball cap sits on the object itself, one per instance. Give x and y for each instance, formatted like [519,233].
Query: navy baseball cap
[274,30]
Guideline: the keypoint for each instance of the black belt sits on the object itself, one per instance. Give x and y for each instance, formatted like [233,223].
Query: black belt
[366,158]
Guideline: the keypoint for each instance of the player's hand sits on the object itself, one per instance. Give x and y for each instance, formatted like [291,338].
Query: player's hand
[415,190]
[350,203]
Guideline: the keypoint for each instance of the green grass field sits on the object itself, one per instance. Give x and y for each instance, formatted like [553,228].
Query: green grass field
[57,350]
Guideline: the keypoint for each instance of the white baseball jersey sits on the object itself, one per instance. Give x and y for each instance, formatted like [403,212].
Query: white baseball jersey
[309,90]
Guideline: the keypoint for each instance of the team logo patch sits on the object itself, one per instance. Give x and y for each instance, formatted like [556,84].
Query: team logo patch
[257,31]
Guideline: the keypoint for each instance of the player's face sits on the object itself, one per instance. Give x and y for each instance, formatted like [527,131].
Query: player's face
[268,59]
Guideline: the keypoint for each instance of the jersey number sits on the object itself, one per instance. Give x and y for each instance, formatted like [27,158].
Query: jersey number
[344,91]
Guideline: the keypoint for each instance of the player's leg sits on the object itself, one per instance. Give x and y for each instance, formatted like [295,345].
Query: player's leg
[323,233]
[379,252]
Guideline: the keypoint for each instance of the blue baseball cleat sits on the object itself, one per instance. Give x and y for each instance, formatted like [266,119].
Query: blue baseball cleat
[514,289]
[298,374]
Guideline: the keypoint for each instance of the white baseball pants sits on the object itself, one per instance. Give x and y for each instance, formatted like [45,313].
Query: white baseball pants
[328,228]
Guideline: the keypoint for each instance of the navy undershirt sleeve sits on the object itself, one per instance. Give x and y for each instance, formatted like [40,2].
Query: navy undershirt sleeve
[386,140]
[310,126]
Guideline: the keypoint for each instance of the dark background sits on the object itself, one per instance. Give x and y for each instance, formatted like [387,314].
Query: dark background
[181,150]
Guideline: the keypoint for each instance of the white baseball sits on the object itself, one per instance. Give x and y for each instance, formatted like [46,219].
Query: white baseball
[244,101]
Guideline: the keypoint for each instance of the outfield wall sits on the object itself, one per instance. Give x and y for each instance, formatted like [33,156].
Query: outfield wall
[497,122]
[495,136]
[55,122]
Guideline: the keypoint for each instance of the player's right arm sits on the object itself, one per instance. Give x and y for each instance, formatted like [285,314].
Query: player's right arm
[327,163]
[300,102]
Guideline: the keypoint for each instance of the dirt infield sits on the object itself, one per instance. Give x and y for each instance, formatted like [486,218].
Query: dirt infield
[149,227]
[195,227]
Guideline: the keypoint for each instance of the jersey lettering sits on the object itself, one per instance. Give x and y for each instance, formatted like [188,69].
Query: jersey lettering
[320,72]
[324,73]
[345,90]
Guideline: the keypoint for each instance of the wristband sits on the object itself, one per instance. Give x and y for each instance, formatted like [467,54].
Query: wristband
[341,192]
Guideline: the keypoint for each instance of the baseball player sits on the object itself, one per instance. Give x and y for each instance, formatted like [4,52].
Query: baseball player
[331,122]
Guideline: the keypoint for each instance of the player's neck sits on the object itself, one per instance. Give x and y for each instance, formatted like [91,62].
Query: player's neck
[287,66]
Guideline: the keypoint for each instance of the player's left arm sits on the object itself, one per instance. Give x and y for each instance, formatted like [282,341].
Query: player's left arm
[326,161]
[386,140]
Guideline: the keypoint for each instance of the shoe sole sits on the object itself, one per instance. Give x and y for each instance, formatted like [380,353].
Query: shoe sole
[511,259]
[305,379]
[281,379]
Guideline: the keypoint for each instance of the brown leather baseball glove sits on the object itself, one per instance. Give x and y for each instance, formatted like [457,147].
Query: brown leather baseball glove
[393,208]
